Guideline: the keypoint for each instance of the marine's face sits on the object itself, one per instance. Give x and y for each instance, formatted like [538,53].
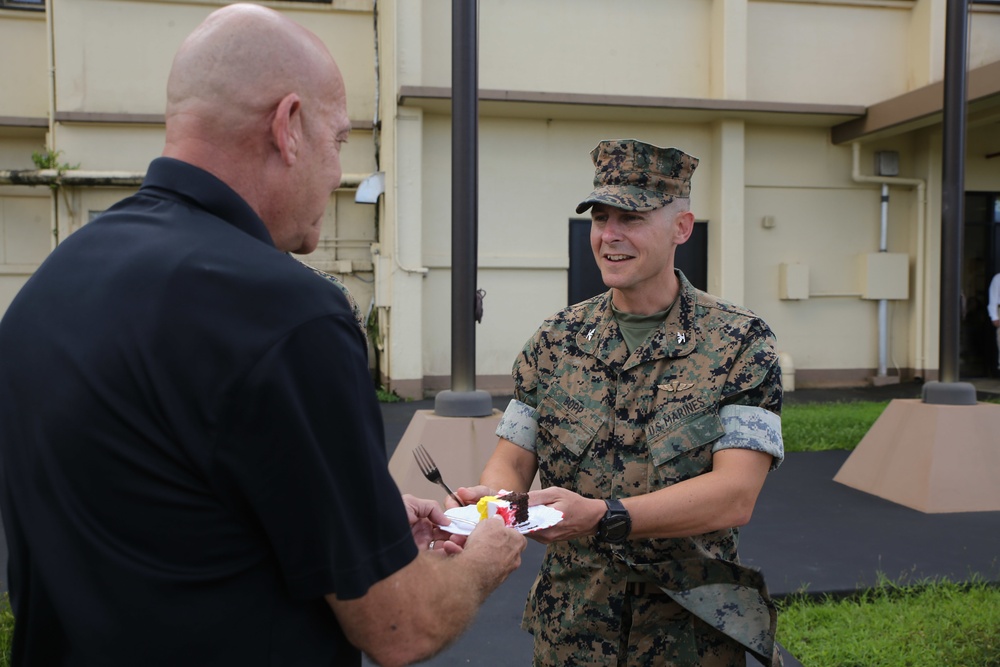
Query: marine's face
[634,250]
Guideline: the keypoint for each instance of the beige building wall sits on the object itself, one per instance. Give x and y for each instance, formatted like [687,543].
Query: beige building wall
[566,46]
[838,53]
[25,239]
[752,87]
[25,215]
[827,223]
[24,86]
[111,61]
[534,165]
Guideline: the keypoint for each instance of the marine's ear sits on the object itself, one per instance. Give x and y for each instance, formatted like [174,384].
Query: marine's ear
[683,226]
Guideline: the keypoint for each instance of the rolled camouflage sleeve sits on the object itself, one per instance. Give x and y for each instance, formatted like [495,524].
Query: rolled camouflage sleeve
[749,427]
[519,425]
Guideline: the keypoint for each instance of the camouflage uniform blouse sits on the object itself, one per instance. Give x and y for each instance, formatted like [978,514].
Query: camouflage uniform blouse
[355,310]
[611,424]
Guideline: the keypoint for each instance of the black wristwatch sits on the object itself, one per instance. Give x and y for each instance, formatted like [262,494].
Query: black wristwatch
[616,524]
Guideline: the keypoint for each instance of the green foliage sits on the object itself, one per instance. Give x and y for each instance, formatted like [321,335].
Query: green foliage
[6,630]
[48,159]
[386,396]
[815,427]
[922,625]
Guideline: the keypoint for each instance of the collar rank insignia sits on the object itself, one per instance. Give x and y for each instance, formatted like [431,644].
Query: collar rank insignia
[674,385]
[590,334]
[681,337]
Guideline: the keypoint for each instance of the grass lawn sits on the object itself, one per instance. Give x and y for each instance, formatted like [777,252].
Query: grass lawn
[931,624]
[817,427]
[926,625]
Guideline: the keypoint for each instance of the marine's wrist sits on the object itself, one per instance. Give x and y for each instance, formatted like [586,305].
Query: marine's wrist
[615,524]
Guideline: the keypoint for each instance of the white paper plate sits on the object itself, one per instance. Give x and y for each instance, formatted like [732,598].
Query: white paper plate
[539,516]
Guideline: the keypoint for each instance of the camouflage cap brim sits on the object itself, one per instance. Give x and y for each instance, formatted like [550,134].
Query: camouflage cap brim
[627,197]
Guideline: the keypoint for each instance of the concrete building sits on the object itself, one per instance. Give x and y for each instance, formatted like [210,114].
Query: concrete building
[800,110]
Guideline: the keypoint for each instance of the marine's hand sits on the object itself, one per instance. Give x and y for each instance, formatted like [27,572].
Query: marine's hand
[425,517]
[580,514]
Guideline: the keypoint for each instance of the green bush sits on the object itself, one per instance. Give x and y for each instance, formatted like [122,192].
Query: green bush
[386,396]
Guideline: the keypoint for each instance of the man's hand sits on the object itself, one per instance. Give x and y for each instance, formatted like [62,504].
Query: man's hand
[497,550]
[426,517]
[413,613]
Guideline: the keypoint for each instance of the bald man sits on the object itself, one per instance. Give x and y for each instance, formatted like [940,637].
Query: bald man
[193,464]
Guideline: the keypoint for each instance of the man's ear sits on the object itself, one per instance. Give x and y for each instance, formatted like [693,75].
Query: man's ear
[286,128]
[683,226]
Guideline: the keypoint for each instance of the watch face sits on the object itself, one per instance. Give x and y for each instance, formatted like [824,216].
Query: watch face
[616,528]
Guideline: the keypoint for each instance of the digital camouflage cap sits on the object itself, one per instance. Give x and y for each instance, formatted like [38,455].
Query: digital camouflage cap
[637,176]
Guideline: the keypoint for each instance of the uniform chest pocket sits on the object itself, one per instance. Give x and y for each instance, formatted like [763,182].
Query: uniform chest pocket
[567,422]
[680,451]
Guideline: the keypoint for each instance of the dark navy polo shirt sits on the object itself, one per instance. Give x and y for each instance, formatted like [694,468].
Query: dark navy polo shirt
[192,452]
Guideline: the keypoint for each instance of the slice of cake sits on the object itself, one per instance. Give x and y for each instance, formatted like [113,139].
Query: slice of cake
[511,506]
[519,503]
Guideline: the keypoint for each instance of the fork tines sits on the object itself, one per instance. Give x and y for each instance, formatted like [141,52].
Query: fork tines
[426,463]
[431,472]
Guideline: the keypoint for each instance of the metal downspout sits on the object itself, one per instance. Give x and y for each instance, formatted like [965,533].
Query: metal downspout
[883,304]
[921,186]
[51,139]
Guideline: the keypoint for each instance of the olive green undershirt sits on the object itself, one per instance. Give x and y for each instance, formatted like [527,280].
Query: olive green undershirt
[636,328]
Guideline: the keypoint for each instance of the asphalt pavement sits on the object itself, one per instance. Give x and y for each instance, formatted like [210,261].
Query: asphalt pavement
[808,534]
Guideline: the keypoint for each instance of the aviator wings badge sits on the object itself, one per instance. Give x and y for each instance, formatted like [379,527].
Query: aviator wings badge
[674,385]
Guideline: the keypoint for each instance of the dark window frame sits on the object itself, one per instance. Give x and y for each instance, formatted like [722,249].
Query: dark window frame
[30,5]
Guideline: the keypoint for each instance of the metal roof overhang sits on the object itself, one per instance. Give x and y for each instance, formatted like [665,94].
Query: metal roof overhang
[576,106]
[923,107]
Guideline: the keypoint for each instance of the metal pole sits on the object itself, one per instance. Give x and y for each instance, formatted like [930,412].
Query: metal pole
[464,193]
[953,186]
[463,400]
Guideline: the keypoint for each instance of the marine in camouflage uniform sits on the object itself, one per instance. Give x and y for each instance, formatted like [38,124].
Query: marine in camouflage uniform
[605,421]
[338,283]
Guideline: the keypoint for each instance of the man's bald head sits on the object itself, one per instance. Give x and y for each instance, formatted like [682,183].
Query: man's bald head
[257,100]
[239,62]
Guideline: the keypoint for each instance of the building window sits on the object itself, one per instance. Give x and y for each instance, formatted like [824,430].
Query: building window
[37,5]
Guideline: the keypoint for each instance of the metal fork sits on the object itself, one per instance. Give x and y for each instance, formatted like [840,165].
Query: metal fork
[431,472]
